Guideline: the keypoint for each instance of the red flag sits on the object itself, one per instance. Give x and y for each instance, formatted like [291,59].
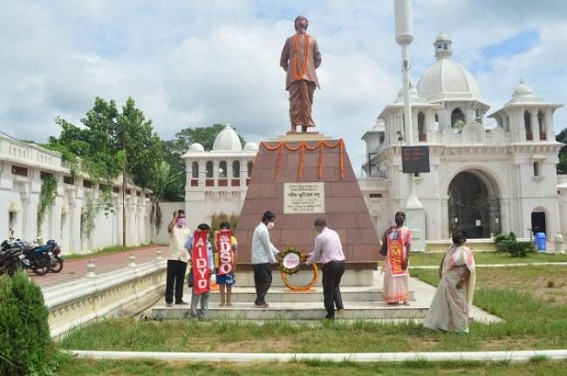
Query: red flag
[201,267]
[224,247]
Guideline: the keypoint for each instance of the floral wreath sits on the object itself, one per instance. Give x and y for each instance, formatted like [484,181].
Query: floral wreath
[290,260]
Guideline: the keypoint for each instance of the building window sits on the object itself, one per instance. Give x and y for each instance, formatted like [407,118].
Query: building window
[195,170]
[528,126]
[20,171]
[457,120]
[209,172]
[541,125]
[236,169]
[421,127]
[222,169]
[250,167]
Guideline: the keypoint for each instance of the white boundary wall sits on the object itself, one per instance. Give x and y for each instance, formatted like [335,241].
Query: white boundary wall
[21,168]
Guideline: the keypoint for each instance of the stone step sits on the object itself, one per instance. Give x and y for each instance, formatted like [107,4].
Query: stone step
[283,294]
[370,310]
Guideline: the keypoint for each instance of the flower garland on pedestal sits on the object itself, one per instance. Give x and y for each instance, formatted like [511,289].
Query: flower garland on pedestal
[290,260]
[302,147]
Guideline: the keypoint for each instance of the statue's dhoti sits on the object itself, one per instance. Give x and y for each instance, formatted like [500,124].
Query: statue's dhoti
[300,103]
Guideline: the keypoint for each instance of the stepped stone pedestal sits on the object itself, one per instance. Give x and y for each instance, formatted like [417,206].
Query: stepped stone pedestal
[301,177]
[361,303]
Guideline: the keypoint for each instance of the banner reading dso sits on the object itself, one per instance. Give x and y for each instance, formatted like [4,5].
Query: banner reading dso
[303,198]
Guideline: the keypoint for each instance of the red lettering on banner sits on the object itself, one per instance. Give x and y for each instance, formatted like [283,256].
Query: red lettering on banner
[223,242]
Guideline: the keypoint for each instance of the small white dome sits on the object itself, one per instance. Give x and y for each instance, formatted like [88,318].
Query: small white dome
[523,90]
[414,96]
[447,80]
[251,146]
[523,93]
[196,147]
[227,140]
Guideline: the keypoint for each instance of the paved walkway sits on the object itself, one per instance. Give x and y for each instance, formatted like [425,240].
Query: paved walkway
[77,268]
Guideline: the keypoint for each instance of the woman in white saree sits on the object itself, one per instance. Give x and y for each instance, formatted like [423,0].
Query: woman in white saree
[451,304]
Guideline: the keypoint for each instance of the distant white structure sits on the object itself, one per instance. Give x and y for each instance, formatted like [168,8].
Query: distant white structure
[485,180]
[23,167]
[217,180]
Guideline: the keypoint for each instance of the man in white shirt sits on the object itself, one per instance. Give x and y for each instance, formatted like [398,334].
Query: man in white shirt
[263,254]
[329,252]
[177,258]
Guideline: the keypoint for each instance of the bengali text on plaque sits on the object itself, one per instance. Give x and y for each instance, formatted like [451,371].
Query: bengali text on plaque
[304,198]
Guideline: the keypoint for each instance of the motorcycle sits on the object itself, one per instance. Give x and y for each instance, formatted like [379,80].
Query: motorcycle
[11,257]
[43,258]
[54,252]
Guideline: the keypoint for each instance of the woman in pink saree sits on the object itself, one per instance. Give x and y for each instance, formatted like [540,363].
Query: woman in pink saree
[396,276]
[451,303]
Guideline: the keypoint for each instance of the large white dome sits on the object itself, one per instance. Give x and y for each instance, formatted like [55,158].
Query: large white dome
[447,80]
[227,140]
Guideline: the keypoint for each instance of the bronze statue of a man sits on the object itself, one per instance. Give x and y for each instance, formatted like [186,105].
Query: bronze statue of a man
[300,58]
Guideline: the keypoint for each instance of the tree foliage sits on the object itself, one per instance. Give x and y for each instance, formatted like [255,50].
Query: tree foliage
[107,138]
[562,165]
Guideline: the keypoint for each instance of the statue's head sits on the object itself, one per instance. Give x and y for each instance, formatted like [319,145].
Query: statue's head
[301,22]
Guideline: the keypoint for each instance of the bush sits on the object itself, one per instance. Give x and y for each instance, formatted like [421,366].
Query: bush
[508,243]
[25,341]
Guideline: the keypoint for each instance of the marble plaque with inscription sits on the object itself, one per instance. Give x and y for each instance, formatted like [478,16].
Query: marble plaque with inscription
[304,198]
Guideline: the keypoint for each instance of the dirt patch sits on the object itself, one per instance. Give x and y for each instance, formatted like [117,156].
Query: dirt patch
[549,284]
[265,346]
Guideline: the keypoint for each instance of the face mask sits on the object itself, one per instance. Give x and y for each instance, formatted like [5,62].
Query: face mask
[180,222]
[270,225]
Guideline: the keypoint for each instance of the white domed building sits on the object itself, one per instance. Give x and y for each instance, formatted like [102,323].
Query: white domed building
[217,180]
[486,180]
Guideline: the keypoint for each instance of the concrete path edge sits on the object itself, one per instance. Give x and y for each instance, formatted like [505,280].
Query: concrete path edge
[482,356]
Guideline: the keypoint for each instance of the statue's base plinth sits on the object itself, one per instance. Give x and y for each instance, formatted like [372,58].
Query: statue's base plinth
[301,177]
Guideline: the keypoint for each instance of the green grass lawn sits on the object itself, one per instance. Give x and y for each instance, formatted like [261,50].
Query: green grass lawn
[532,300]
[434,258]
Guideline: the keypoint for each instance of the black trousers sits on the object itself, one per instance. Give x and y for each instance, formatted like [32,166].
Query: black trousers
[175,278]
[262,281]
[332,273]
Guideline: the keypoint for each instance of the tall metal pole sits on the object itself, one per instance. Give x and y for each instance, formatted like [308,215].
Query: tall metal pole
[404,36]
[124,189]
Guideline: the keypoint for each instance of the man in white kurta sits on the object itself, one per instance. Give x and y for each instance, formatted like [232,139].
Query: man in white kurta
[451,304]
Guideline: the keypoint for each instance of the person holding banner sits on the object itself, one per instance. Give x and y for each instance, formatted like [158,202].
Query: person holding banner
[226,246]
[202,267]
[450,307]
[263,254]
[396,276]
[177,258]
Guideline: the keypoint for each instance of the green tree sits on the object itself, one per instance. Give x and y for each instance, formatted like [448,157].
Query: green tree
[97,148]
[109,142]
[562,165]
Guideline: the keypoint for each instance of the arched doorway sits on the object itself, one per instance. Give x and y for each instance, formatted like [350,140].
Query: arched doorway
[474,204]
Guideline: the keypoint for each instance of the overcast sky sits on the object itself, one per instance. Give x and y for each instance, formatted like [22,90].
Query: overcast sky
[194,63]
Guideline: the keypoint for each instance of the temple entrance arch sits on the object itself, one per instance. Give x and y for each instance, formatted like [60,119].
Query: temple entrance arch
[474,204]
